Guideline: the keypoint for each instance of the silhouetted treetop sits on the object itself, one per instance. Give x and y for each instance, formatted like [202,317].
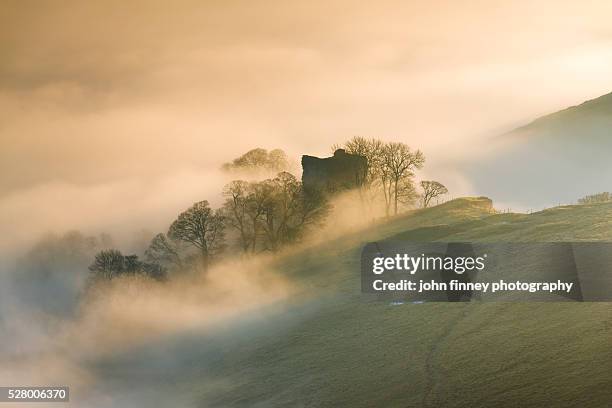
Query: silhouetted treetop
[259,159]
[111,263]
[201,227]
[431,190]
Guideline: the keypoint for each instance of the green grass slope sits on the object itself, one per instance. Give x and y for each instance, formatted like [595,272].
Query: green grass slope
[337,349]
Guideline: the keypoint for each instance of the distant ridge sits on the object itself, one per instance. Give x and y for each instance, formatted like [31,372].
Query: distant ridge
[554,159]
[601,105]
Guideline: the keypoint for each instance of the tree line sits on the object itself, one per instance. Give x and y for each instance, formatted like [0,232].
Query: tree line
[263,216]
[603,197]
[390,174]
[269,214]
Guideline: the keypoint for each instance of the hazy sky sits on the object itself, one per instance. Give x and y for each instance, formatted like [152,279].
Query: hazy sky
[116,112]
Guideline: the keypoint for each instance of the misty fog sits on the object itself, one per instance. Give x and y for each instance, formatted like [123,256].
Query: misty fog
[143,114]
[115,117]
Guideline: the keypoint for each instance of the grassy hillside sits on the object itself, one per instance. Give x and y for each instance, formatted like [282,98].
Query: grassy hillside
[336,349]
[557,158]
[595,109]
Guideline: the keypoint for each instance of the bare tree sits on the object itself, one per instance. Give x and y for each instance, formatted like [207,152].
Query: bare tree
[406,192]
[202,228]
[596,198]
[288,210]
[271,213]
[108,264]
[391,167]
[278,160]
[259,159]
[245,207]
[258,199]
[279,207]
[398,166]
[372,150]
[431,190]
[236,211]
[164,251]
[111,263]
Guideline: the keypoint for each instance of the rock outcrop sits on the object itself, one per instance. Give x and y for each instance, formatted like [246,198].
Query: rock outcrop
[342,171]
